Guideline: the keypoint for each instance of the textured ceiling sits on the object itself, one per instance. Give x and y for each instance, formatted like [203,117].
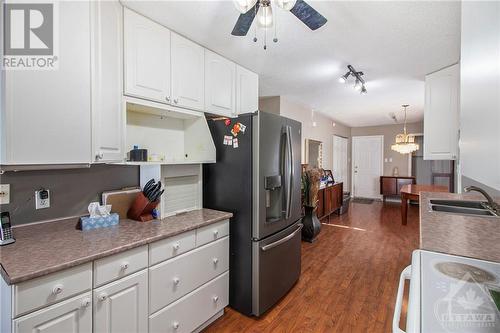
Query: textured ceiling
[395,43]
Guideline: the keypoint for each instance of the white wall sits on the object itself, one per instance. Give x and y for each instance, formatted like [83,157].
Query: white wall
[480,93]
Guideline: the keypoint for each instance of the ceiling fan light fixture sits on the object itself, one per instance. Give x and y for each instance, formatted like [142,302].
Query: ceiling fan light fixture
[265,17]
[286,4]
[244,6]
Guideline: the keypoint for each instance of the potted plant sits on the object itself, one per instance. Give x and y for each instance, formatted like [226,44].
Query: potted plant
[310,188]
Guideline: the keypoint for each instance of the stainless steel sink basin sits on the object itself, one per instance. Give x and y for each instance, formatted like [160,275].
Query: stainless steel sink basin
[459,203]
[462,207]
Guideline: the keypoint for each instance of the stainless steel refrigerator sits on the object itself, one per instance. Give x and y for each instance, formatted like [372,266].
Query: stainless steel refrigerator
[258,180]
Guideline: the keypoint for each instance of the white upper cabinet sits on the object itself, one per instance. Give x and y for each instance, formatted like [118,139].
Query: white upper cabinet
[247,90]
[220,87]
[188,72]
[47,114]
[441,112]
[107,81]
[147,58]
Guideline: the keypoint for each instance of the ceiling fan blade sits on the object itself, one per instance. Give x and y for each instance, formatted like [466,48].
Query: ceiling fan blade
[245,21]
[308,15]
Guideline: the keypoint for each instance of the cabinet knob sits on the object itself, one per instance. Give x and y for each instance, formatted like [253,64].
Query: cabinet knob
[99,156]
[176,101]
[57,289]
[176,281]
[85,302]
[103,297]
[176,246]
[215,299]
[175,325]
[124,266]
[167,99]
[216,233]
[215,260]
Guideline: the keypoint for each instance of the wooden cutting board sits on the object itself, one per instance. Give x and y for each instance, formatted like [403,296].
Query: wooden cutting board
[120,200]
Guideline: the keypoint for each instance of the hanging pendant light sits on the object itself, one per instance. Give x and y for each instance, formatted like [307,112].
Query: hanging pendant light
[405,143]
[265,17]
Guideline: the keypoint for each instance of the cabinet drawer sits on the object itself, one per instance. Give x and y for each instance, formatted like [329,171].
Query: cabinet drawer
[172,279]
[72,315]
[212,232]
[191,311]
[120,265]
[45,290]
[171,247]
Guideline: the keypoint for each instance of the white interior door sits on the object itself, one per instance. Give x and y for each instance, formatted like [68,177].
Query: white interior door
[367,165]
[340,170]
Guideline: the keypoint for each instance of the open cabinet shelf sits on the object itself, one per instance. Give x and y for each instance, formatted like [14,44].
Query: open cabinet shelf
[176,135]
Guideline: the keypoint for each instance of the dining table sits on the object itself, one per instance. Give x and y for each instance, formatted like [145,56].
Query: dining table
[412,192]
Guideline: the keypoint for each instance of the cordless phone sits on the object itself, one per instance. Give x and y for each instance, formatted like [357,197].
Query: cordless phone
[5,229]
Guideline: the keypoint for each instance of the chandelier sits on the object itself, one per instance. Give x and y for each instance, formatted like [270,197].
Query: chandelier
[405,143]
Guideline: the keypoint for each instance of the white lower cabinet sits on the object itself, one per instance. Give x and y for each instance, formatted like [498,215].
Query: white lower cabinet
[71,316]
[122,306]
[193,310]
[175,278]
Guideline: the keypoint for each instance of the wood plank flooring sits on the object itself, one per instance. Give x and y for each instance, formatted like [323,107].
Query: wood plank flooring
[349,276]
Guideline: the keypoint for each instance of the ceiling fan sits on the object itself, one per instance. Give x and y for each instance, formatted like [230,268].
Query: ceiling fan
[249,9]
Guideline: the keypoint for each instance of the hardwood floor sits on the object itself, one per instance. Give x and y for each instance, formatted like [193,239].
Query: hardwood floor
[349,276]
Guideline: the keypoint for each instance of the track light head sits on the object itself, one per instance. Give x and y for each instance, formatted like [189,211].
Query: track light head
[363,90]
[343,78]
[357,85]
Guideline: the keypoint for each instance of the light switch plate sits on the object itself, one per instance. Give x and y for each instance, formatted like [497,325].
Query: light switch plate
[4,194]
[42,203]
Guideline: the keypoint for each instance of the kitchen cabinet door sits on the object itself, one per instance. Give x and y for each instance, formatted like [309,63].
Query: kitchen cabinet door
[441,113]
[71,316]
[107,82]
[220,88]
[247,90]
[47,113]
[147,58]
[122,306]
[188,72]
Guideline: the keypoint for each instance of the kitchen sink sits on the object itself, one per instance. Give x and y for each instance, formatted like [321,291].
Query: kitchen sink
[459,203]
[462,210]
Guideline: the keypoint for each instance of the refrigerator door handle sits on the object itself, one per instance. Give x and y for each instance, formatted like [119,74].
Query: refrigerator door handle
[282,240]
[290,171]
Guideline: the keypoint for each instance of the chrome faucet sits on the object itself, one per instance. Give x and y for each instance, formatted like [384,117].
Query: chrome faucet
[491,203]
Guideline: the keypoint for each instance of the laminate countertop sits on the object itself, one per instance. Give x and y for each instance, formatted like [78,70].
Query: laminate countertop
[463,235]
[48,247]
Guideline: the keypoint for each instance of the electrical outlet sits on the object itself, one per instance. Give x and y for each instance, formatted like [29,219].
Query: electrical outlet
[42,199]
[4,194]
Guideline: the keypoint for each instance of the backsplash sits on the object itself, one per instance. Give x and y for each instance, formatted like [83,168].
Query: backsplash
[70,190]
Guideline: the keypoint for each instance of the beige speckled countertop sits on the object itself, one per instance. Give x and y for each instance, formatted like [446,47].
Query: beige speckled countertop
[44,248]
[469,236]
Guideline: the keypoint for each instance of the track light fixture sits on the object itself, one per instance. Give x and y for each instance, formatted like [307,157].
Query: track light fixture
[359,83]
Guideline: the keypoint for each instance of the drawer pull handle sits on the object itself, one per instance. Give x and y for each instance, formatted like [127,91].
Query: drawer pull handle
[216,233]
[85,302]
[175,325]
[215,260]
[176,281]
[215,298]
[103,297]
[176,246]
[124,266]
[57,289]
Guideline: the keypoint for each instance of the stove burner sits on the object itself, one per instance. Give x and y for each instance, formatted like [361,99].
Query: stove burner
[465,272]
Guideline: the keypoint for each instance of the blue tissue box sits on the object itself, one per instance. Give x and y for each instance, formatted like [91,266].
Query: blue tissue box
[89,223]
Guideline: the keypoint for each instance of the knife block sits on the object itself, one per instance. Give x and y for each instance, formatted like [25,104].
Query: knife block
[141,209]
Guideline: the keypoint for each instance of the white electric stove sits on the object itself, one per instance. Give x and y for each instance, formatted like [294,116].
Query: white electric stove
[449,294]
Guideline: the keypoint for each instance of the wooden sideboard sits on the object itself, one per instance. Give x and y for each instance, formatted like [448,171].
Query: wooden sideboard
[329,200]
[391,185]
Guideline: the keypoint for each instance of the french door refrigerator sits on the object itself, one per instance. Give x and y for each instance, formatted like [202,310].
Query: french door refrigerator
[258,179]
